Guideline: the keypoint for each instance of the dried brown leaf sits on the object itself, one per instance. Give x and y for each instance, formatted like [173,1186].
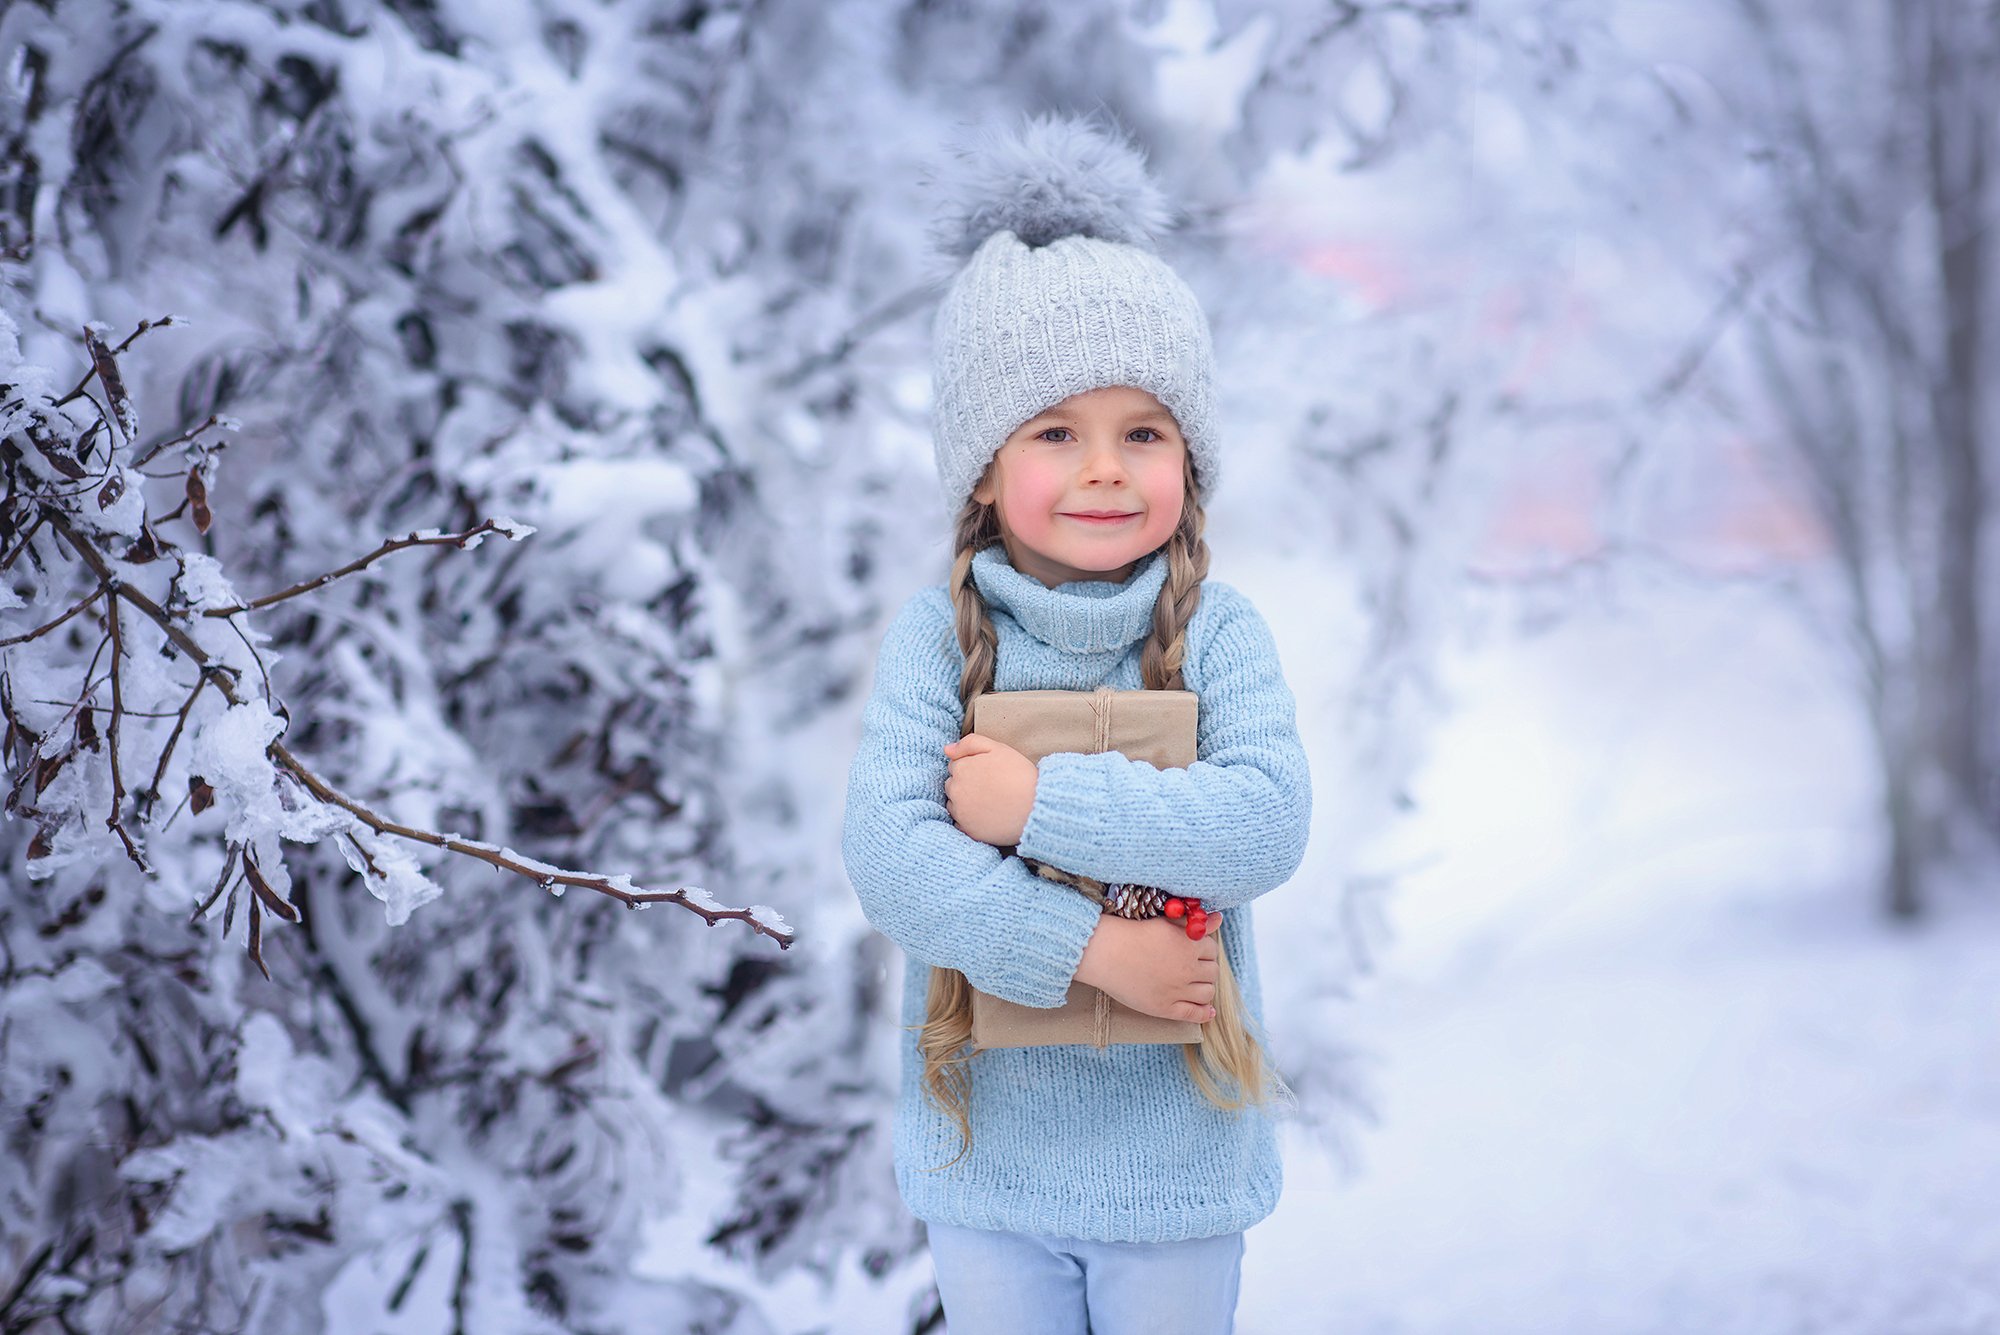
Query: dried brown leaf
[105,363]
[257,940]
[266,893]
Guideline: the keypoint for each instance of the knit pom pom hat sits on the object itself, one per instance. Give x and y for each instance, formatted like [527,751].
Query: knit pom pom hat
[1061,291]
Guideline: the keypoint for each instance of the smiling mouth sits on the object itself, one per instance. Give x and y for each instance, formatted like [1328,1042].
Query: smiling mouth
[1101,516]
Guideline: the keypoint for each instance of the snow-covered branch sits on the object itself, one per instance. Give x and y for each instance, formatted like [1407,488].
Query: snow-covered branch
[35,500]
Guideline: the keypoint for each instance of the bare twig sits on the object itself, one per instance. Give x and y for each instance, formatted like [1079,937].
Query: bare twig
[228,868]
[1697,349]
[549,877]
[112,820]
[7,563]
[182,439]
[427,537]
[40,631]
[144,800]
[105,709]
[262,671]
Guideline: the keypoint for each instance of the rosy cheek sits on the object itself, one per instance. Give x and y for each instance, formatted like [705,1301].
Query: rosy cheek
[1035,497]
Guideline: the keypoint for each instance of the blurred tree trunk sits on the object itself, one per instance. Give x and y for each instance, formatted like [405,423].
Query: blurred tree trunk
[1879,151]
[1959,106]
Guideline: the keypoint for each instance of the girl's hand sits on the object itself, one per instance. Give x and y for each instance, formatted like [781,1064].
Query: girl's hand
[991,789]
[1151,966]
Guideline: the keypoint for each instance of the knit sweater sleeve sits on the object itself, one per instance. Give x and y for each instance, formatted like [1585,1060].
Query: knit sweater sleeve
[946,898]
[1227,828]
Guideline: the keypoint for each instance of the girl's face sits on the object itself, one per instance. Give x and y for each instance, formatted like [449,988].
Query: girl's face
[1114,451]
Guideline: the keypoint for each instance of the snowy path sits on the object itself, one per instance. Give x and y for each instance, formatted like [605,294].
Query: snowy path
[1647,1062]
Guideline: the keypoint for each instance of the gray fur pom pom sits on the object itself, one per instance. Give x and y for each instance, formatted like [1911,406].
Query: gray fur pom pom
[1053,176]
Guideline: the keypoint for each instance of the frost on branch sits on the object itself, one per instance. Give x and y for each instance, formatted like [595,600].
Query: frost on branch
[202,583]
[235,758]
[392,876]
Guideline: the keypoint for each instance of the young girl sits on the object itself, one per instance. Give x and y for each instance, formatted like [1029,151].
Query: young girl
[1071,1188]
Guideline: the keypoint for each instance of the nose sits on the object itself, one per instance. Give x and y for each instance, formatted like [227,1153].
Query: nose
[1103,461]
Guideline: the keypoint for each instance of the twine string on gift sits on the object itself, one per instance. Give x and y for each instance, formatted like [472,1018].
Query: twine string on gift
[1100,716]
[1101,1021]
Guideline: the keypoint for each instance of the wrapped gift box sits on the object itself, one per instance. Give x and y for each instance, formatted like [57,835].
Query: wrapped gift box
[1157,727]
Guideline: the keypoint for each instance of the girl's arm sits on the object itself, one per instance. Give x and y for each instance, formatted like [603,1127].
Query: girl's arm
[1226,829]
[944,897]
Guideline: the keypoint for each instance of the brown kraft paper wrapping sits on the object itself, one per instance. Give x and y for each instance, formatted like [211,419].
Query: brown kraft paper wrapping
[1157,727]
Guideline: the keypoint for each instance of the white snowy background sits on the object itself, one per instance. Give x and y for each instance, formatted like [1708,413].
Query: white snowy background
[1592,376]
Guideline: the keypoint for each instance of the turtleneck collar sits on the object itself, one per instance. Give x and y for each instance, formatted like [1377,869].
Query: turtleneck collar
[1082,616]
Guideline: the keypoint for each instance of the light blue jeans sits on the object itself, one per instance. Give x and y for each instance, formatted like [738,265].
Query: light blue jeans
[995,1283]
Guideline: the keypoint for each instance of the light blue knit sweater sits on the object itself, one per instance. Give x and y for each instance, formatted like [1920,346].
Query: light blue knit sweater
[1115,1144]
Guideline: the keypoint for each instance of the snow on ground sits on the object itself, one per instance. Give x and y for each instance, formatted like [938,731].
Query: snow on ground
[1646,1057]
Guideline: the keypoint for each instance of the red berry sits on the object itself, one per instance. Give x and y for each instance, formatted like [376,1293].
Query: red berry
[1173,908]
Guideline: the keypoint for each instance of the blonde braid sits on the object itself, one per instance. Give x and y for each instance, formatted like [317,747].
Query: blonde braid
[945,1037]
[978,528]
[1228,1065]
[1187,566]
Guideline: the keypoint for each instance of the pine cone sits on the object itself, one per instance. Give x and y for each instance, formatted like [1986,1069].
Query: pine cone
[1134,901]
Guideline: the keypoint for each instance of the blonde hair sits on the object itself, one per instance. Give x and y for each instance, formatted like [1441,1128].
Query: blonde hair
[1228,1065]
